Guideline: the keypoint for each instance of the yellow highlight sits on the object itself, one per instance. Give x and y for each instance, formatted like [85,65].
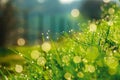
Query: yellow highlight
[106,1]
[77,59]
[46,46]
[93,27]
[18,68]
[35,54]
[41,61]
[21,42]
[111,62]
[111,11]
[89,68]
[65,59]
[112,71]
[80,74]
[68,76]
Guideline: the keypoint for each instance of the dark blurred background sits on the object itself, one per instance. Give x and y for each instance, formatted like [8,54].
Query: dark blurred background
[28,22]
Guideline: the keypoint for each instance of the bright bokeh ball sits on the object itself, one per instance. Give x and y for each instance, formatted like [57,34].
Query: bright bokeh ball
[90,68]
[67,76]
[46,46]
[80,74]
[4,1]
[35,54]
[93,27]
[92,53]
[41,61]
[110,23]
[65,59]
[66,1]
[21,41]
[111,62]
[75,13]
[18,68]
[106,1]
[77,59]
[111,11]
[112,71]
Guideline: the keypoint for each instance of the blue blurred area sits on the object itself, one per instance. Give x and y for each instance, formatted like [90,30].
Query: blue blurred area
[50,17]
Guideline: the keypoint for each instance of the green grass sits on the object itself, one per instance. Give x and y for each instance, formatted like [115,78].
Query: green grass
[93,54]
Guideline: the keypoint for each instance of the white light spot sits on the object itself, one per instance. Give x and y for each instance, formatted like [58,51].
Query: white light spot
[66,1]
[47,37]
[4,1]
[41,1]
[71,30]
[48,30]
[42,33]
[106,1]
[75,13]
[110,23]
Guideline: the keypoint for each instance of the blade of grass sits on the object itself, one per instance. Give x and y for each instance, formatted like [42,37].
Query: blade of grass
[2,74]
